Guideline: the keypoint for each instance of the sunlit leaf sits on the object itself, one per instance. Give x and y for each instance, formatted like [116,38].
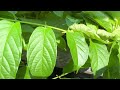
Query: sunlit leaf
[99,57]
[11,48]
[78,48]
[42,52]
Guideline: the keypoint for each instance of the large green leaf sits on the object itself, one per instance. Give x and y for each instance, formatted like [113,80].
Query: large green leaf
[101,18]
[42,52]
[99,57]
[11,48]
[78,48]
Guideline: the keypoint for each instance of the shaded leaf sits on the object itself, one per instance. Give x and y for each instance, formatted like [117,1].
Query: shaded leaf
[71,20]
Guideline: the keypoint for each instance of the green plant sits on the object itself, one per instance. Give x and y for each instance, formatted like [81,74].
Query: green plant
[31,41]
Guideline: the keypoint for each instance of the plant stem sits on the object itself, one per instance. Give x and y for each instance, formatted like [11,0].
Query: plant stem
[60,76]
[37,24]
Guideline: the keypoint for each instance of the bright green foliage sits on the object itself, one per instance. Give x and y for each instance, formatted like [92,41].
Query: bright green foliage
[11,48]
[41,52]
[34,43]
[78,48]
[99,56]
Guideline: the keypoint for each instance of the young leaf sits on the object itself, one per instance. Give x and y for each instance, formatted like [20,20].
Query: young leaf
[11,48]
[99,56]
[42,52]
[78,48]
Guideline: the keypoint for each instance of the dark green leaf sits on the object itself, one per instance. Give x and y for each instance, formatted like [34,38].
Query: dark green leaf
[6,14]
[69,67]
[21,72]
[71,20]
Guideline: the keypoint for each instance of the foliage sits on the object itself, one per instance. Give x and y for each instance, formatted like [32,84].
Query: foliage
[31,43]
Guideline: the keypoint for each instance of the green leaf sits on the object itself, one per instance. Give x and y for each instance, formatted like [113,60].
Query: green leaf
[21,72]
[91,24]
[78,48]
[99,57]
[50,19]
[58,13]
[114,64]
[27,28]
[69,67]
[7,14]
[101,18]
[42,52]
[116,34]
[11,48]
[114,14]
[71,20]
